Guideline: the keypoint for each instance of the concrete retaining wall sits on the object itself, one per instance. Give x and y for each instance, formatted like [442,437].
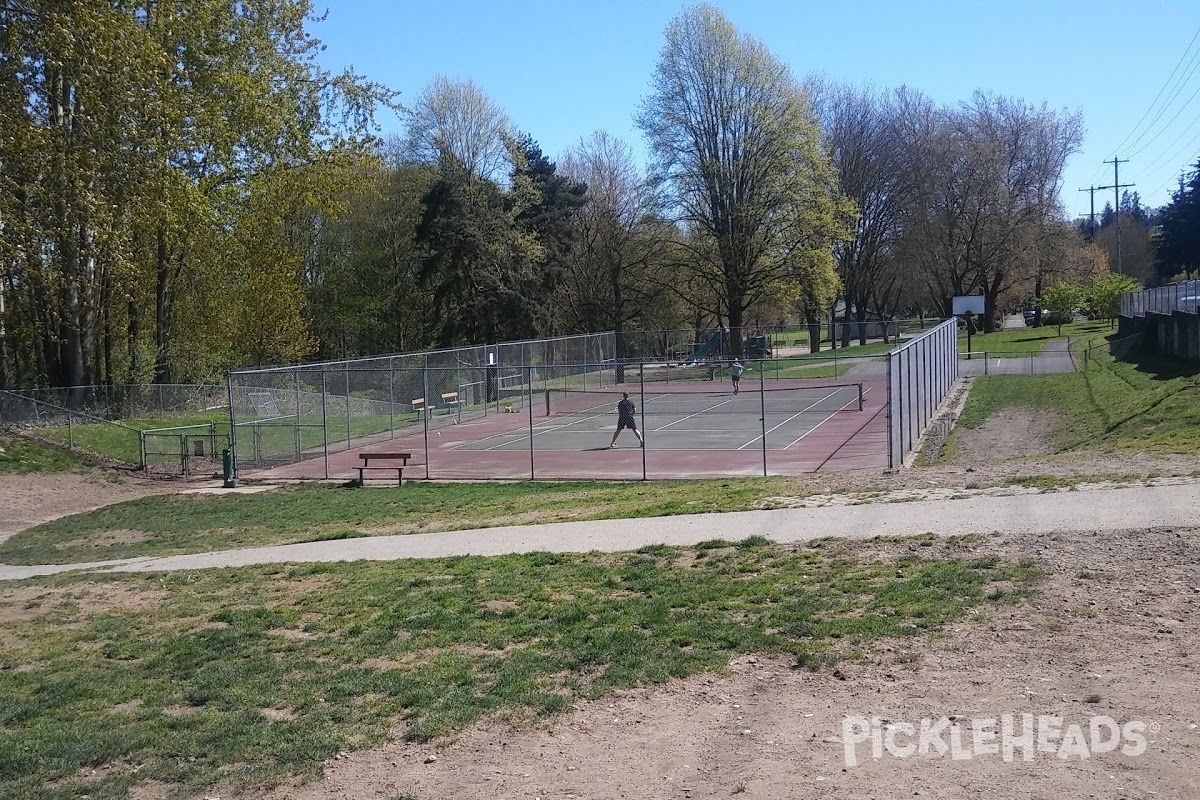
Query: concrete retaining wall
[1176,334]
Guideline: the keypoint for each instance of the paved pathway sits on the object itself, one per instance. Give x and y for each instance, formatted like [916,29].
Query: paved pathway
[1055,356]
[1136,507]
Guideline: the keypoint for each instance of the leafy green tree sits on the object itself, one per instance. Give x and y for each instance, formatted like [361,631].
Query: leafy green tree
[1103,297]
[734,138]
[495,257]
[1179,246]
[155,156]
[1061,300]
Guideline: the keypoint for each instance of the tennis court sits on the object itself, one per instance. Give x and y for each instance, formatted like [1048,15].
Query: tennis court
[790,428]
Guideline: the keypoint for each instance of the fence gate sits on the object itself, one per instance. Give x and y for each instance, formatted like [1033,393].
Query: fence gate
[186,450]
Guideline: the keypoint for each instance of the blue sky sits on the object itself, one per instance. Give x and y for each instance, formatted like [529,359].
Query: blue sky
[564,69]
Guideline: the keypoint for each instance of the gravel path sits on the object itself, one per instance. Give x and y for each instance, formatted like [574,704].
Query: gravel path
[1101,509]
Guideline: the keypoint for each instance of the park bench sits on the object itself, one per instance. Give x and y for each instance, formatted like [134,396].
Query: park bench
[451,402]
[420,408]
[383,455]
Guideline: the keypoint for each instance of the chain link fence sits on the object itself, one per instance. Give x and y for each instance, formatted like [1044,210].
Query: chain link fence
[920,374]
[285,415]
[1183,296]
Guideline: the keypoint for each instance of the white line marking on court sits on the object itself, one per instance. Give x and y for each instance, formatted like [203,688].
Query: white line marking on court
[689,416]
[563,427]
[831,416]
[792,417]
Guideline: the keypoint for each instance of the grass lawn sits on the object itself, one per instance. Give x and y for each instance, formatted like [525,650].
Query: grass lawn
[241,678]
[24,456]
[1030,340]
[120,443]
[1147,403]
[173,524]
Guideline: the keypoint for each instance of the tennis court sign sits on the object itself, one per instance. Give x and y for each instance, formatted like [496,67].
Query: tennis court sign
[969,304]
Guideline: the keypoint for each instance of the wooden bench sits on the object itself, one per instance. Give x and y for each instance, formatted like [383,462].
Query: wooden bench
[451,402]
[384,455]
[419,407]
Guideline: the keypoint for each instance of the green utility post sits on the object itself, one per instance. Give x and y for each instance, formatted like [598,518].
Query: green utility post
[227,462]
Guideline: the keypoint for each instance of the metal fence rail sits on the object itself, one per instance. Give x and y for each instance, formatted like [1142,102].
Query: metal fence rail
[920,374]
[1183,296]
[283,415]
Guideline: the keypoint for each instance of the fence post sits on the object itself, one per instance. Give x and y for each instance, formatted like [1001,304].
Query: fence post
[529,391]
[891,455]
[232,422]
[325,420]
[299,436]
[642,411]
[762,407]
[392,399]
[70,432]
[347,405]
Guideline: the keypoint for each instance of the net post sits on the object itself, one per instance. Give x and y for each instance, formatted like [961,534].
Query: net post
[860,397]
[425,413]
[548,402]
[642,411]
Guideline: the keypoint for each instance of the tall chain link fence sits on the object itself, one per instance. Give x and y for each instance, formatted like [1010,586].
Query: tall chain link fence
[285,415]
[1182,296]
[169,430]
[920,374]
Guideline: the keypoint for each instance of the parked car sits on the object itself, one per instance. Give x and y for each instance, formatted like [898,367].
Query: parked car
[1030,316]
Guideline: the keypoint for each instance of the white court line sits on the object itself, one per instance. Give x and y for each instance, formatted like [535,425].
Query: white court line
[689,416]
[789,419]
[564,426]
[831,416]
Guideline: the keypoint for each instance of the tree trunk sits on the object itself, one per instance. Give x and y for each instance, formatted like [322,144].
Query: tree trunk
[813,320]
[860,314]
[614,276]
[162,311]
[4,365]
[735,327]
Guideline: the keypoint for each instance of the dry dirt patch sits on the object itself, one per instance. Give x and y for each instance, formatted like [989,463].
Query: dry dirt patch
[34,602]
[106,539]
[30,500]
[278,714]
[1112,631]
[1011,433]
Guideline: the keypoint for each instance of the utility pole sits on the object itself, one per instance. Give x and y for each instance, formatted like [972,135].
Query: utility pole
[1091,190]
[1117,187]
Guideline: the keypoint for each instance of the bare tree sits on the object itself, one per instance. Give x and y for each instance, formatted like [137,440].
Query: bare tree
[616,273]
[866,133]
[989,196]
[455,119]
[734,138]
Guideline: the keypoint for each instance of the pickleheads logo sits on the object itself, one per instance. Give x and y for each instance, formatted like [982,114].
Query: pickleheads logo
[1044,735]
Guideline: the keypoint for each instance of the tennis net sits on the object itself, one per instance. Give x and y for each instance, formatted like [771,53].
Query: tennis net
[683,399]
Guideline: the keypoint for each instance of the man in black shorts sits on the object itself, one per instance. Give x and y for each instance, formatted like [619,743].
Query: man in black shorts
[625,413]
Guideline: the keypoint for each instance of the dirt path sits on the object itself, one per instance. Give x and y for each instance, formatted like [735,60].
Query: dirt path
[31,499]
[1111,634]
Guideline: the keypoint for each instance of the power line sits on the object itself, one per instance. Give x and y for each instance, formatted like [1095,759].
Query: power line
[1160,91]
[1168,125]
[1166,105]
[1179,85]
[1164,157]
